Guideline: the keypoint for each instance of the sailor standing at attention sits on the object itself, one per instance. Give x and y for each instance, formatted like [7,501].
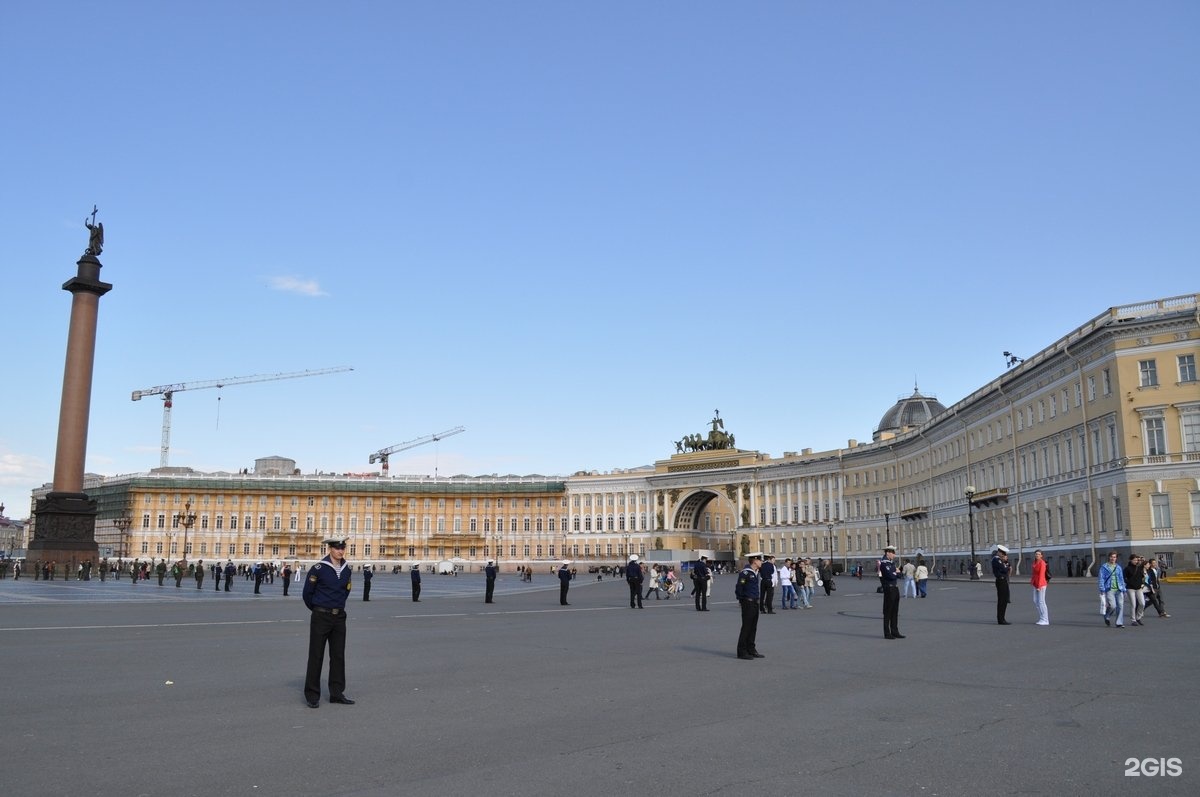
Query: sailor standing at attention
[325,593]
[891,594]
[747,592]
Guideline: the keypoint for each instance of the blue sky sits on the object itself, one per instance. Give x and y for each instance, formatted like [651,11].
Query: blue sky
[575,228]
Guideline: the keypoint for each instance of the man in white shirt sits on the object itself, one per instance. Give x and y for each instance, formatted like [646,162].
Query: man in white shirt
[910,583]
[787,590]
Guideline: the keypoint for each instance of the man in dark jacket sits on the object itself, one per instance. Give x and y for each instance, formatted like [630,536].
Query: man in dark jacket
[634,577]
[1135,579]
[564,582]
[701,575]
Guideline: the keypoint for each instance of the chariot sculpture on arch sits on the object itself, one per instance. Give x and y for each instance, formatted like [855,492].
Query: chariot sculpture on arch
[717,439]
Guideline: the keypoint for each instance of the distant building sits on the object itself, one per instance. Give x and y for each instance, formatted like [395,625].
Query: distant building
[1089,445]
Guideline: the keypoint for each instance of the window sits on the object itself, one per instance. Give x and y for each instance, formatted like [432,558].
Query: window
[1106,382]
[1160,511]
[1189,420]
[1156,445]
[1195,501]
[1187,368]
[1091,388]
[1148,373]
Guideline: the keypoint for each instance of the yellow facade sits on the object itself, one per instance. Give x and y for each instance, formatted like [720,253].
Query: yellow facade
[1089,445]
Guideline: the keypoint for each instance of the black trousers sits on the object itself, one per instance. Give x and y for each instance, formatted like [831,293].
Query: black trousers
[701,594]
[749,632]
[1002,599]
[366,590]
[1155,599]
[286,582]
[563,586]
[489,589]
[635,594]
[326,628]
[891,610]
[228,579]
[765,604]
[416,591]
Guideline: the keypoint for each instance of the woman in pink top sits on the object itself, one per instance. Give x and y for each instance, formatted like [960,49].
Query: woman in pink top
[1039,582]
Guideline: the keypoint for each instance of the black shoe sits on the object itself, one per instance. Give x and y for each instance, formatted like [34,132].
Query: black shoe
[888,636]
[745,657]
[345,701]
[898,636]
[757,655]
[1003,622]
[313,703]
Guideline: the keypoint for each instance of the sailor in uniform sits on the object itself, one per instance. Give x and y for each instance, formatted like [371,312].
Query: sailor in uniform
[747,592]
[325,593]
[891,593]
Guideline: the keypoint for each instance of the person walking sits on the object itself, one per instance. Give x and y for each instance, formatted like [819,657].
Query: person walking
[1040,581]
[564,582]
[1000,571]
[825,576]
[1135,582]
[809,583]
[747,593]
[199,574]
[634,578]
[367,576]
[922,578]
[414,574]
[325,592]
[891,594]
[489,579]
[655,586]
[1112,590]
[910,579]
[701,575]
[230,572]
[287,578]
[1154,588]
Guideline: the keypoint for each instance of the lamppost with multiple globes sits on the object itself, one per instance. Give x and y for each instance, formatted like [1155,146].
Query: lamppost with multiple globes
[970,493]
[887,527]
[122,525]
[187,519]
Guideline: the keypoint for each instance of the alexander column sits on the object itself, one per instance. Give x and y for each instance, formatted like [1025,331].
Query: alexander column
[64,525]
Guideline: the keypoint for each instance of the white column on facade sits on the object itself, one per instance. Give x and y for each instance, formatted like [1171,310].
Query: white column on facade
[791,517]
[820,502]
[754,488]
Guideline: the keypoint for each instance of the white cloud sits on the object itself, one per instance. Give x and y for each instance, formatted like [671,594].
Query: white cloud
[289,284]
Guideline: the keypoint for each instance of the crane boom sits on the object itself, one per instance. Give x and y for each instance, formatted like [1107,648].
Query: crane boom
[168,392]
[383,454]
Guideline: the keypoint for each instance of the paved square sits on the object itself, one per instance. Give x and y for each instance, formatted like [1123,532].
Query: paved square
[123,690]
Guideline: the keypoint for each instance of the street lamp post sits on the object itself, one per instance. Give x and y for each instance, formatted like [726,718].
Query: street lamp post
[830,547]
[887,527]
[971,528]
[122,524]
[187,519]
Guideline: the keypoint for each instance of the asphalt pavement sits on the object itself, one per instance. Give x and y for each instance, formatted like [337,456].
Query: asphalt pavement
[146,690]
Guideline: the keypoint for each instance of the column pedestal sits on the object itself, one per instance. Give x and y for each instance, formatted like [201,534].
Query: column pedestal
[65,531]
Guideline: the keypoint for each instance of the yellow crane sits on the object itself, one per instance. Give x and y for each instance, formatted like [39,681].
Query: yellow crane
[168,392]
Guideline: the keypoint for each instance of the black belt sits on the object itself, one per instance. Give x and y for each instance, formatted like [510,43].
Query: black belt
[326,610]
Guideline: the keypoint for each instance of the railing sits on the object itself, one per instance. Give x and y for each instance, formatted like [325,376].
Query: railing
[1163,534]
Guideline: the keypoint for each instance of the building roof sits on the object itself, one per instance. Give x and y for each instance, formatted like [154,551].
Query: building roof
[909,412]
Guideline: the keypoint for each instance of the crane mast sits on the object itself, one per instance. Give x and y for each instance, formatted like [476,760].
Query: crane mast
[383,454]
[168,393]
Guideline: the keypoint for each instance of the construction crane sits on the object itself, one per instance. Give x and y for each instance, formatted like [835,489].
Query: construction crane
[169,391]
[382,454]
